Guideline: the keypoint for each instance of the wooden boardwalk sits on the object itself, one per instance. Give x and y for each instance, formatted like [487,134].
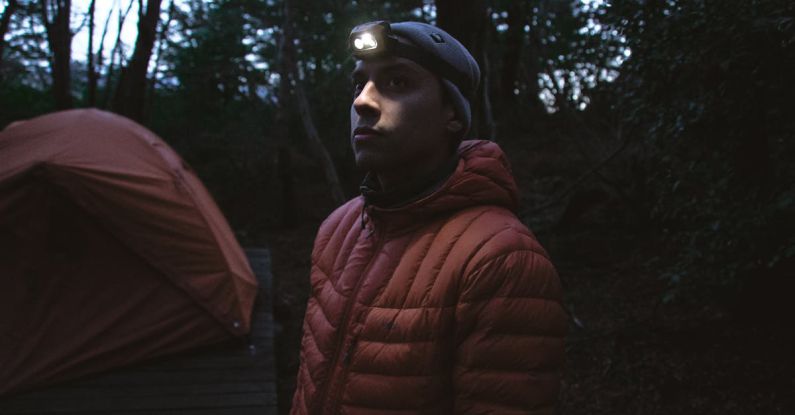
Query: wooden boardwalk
[236,378]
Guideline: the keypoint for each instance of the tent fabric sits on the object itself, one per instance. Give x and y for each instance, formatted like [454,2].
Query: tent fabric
[111,251]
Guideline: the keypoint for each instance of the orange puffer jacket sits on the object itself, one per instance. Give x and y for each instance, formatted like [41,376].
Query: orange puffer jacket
[445,305]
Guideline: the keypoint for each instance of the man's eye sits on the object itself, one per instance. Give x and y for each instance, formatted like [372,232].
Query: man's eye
[397,82]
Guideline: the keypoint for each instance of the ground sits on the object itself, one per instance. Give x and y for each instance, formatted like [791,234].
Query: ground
[628,351]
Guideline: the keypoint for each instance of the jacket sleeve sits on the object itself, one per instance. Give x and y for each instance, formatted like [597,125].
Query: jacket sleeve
[510,329]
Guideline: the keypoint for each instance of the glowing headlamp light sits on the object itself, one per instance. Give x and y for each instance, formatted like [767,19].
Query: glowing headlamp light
[371,40]
[375,40]
[365,42]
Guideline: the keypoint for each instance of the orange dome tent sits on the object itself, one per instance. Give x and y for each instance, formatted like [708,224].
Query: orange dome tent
[111,251]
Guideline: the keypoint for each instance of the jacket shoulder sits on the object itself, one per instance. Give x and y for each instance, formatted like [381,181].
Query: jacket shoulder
[341,219]
[490,232]
[493,231]
[501,256]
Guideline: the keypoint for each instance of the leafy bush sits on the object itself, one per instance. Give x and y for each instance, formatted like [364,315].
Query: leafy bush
[707,92]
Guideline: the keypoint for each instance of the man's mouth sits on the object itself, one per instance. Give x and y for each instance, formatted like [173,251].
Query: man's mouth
[365,133]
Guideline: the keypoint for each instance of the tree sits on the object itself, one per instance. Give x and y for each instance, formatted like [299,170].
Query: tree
[706,98]
[91,92]
[291,73]
[516,21]
[130,93]
[468,21]
[55,15]
[163,36]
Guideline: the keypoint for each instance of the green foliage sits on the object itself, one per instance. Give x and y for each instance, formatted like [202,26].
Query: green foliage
[24,80]
[707,92]
[19,101]
[211,105]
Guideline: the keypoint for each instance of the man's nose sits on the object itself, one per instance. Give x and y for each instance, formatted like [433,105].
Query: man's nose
[366,103]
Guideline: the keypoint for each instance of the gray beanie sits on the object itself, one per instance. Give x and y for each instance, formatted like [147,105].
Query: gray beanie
[438,42]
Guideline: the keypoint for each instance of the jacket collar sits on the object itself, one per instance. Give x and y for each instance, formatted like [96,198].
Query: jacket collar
[409,192]
[478,175]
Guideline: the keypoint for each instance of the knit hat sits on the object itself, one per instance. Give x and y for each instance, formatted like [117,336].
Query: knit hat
[441,44]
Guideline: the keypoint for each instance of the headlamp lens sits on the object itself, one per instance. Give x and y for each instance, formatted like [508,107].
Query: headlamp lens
[365,42]
[370,40]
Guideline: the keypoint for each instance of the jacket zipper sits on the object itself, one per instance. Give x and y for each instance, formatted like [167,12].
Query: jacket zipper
[346,361]
[326,395]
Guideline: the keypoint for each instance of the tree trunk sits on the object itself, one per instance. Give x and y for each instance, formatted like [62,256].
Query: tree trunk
[533,69]
[284,165]
[59,37]
[467,21]
[91,93]
[521,54]
[5,21]
[291,68]
[463,19]
[513,52]
[130,95]
[488,127]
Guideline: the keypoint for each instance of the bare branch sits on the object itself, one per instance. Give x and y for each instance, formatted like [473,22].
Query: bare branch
[100,59]
[115,52]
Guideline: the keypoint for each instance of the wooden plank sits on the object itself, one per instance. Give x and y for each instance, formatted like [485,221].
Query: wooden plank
[240,410]
[165,378]
[87,392]
[233,359]
[100,402]
[251,410]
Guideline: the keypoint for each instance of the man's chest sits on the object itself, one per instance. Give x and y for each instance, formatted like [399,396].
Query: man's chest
[390,305]
[407,271]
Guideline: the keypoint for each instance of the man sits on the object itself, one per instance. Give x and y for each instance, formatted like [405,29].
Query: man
[429,296]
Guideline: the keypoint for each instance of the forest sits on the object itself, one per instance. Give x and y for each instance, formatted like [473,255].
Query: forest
[653,142]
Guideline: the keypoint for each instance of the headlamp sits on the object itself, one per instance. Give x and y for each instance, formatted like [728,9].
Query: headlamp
[365,42]
[375,40]
[371,40]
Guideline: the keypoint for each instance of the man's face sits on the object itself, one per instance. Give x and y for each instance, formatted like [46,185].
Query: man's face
[399,119]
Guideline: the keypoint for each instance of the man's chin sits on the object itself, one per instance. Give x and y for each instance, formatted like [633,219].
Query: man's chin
[369,160]
[366,162]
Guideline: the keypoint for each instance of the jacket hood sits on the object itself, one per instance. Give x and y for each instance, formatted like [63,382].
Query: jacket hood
[482,177]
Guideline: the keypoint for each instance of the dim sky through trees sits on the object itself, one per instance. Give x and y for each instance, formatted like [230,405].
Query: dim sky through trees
[579,77]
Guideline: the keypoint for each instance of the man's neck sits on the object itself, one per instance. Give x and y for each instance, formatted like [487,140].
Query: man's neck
[408,185]
[411,178]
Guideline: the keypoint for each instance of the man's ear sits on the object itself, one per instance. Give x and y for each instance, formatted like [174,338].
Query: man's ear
[454,125]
